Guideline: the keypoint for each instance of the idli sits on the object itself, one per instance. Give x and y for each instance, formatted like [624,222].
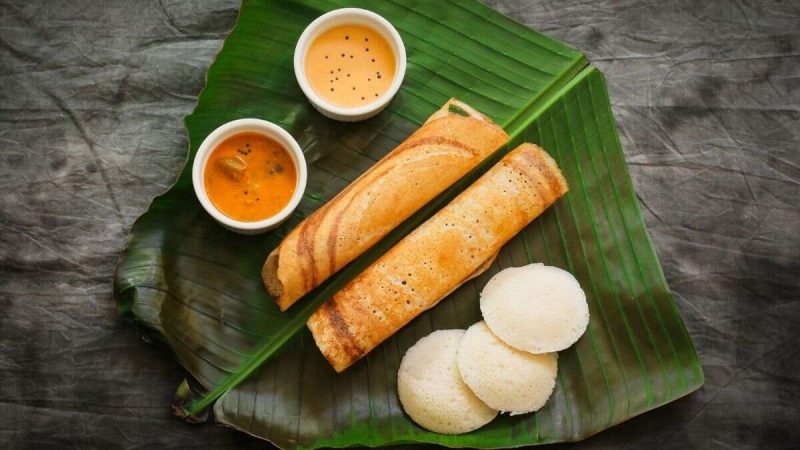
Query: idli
[535,308]
[431,389]
[503,377]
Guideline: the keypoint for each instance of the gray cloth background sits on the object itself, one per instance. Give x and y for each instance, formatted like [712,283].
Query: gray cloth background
[92,97]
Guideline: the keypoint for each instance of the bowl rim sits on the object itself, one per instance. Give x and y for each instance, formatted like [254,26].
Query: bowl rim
[339,17]
[269,130]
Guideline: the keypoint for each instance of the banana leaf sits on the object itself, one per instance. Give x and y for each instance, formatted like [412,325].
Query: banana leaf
[195,287]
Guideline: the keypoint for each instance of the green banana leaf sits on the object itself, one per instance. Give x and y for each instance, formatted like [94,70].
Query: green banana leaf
[190,284]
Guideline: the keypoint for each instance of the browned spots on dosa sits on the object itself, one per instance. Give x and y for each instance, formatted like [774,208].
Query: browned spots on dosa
[436,140]
[305,246]
[303,251]
[542,191]
[342,331]
[538,161]
[333,236]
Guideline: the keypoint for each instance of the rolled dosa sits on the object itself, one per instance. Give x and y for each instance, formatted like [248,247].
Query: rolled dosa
[438,256]
[454,140]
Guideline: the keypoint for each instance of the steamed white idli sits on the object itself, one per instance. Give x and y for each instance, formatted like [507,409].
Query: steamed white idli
[535,308]
[503,377]
[431,389]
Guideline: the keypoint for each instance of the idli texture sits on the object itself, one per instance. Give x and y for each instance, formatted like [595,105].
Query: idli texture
[535,308]
[503,377]
[431,389]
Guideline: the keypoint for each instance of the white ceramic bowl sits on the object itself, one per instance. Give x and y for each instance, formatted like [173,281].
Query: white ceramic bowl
[269,130]
[336,18]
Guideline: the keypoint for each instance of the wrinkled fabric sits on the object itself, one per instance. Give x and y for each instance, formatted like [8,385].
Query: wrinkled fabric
[92,97]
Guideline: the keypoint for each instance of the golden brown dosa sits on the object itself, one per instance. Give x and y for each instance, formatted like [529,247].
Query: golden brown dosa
[438,256]
[447,146]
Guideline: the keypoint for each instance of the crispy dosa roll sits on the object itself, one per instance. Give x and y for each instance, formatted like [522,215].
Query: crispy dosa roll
[438,256]
[454,140]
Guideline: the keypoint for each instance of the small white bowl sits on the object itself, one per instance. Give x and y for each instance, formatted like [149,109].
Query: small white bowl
[269,130]
[346,16]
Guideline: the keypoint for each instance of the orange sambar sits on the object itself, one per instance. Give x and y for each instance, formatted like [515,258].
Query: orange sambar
[250,177]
